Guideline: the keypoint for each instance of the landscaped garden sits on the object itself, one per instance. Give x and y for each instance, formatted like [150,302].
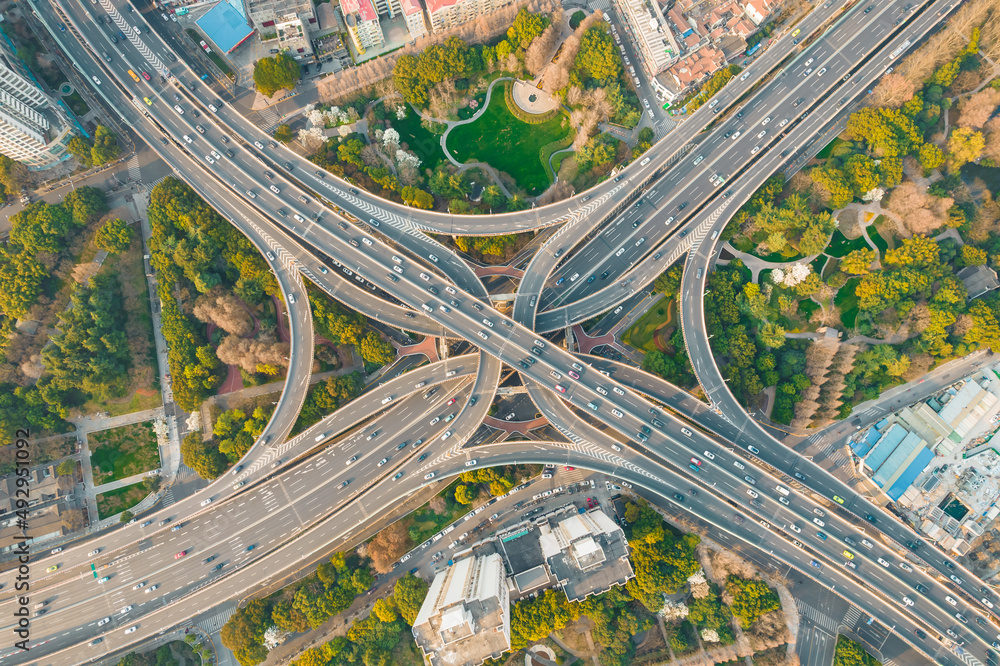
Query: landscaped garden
[123,452]
[122,499]
[419,140]
[507,144]
[642,335]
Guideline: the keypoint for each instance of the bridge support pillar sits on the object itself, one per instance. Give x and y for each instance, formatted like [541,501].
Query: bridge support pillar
[570,339]
[442,348]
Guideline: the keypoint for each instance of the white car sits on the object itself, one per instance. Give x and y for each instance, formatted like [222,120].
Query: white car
[756,149]
[138,586]
[795,528]
[209,159]
[126,609]
[55,550]
[131,629]
[430,475]
[101,623]
[188,139]
[94,552]
[907,601]
[709,455]
[152,587]
[765,121]
[206,502]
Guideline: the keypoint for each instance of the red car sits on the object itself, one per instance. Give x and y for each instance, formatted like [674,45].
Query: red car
[696,461]
[145,76]
[569,469]
[451,402]
[180,555]
[561,389]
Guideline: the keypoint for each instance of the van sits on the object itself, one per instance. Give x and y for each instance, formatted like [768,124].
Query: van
[427,307]
[783,490]
[699,160]
[321,437]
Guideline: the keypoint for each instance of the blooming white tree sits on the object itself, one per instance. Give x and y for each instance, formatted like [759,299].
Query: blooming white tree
[401,112]
[312,138]
[699,585]
[408,159]
[875,194]
[194,421]
[791,276]
[673,610]
[390,138]
[709,635]
[274,637]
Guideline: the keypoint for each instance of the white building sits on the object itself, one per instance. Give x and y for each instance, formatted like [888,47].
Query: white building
[264,14]
[465,618]
[293,36]
[362,24]
[33,129]
[650,33]
[416,23]
[444,14]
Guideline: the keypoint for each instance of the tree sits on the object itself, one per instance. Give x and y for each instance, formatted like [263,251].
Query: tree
[409,594]
[893,91]
[598,58]
[114,236]
[284,134]
[66,468]
[21,280]
[375,350]
[771,335]
[80,148]
[964,145]
[669,281]
[14,175]
[243,633]
[930,156]
[418,198]
[972,256]
[463,495]
[493,196]
[526,27]
[273,74]
[751,599]
[388,546]
[858,262]
[105,148]
[85,204]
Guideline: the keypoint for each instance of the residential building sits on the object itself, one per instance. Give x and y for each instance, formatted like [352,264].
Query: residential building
[416,22]
[758,10]
[465,618]
[978,280]
[697,67]
[650,33]
[444,14]
[266,13]
[362,24]
[34,130]
[587,553]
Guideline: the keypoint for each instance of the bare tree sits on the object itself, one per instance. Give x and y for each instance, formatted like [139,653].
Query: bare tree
[541,49]
[225,311]
[251,355]
[919,212]
[388,546]
[977,109]
[893,91]
[560,190]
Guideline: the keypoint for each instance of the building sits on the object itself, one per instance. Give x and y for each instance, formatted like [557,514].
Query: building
[265,13]
[697,67]
[445,14]
[362,24]
[650,33]
[416,23]
[34,129]
[583,553]
[226,25]
[896,459]
[757,10]
[978,280]
[465,618]
[293,36]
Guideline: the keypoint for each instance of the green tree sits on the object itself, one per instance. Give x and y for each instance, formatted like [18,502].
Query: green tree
[243,633]
[375,350]
[114,236]
[284,134]
[751,599]
[105,148]
[273,74]
[80,148]
[21,280]
[598,57]
[965,145]
[418,198]
[669,281]
[858,262]
[526,27]
[493,196]
[972,256]
[66,468]
[409,594]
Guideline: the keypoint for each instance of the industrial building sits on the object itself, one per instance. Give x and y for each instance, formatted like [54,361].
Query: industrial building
[465,618]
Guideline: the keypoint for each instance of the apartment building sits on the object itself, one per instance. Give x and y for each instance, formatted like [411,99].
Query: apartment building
[444,14]
[650,33]
[266,13]
[362,24]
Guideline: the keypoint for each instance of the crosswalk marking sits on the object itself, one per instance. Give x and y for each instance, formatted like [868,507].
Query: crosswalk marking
[134,173]
[852,616]
[214,623]
[268,119]
[818,618]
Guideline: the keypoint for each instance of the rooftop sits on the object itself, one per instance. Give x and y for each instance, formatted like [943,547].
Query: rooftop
[225,26]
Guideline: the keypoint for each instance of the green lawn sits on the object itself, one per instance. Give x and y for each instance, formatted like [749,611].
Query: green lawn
[825,153]
[424,144]
[120,499]
[76,103]
[878,235]
[506,143]
[841,246]
[641,334]
[847,301]
[123,452]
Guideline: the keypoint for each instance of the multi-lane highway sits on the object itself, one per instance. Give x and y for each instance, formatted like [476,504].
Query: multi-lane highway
[373,255]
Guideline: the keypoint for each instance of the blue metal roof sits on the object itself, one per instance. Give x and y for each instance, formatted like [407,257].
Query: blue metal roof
[897,459]
[890,440]
[907,478]
[225,26]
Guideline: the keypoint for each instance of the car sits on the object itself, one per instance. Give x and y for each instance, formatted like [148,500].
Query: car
[821,536]
[819,522]
[94,552]
[883,562]
[696,461]
[749,479]
[907,601]
[101,623]
[920,634]
[795,528]
[206,502]
[752,493]
[848,554]
[709,455]
[955,579]
[986,602]
[922,589]
[754,450]
[52,568]
[799,476]
[131,629]
[139,585]
[867,544]
[961,618]
[180,555]
[838,499]
[104,580]
[558,387]
[352,459]
[126,609]
[905,567]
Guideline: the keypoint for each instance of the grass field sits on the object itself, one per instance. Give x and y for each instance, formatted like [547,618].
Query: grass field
[828,148]
[642,332]
[420,141]
[123,452]
[841,246]
[847,301]
[880,236]
[507,144]
[120,499]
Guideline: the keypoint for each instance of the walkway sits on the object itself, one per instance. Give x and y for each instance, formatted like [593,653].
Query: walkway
[509,271]
[756,264]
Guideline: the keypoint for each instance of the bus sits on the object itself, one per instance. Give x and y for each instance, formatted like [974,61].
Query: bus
[899,50]
[133,75]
